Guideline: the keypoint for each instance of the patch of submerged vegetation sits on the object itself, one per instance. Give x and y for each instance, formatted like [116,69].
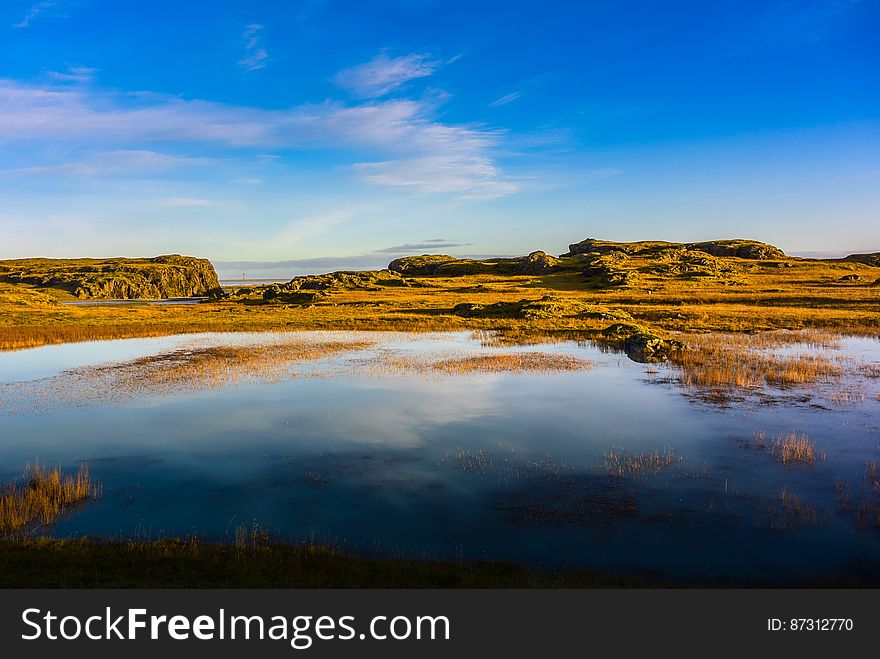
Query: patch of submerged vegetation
[748,361]
[555,493]
[789,512]
[863,506]
[186,368]
[519,362]
[577,501]
[619,462]
[793,448]
[42,496]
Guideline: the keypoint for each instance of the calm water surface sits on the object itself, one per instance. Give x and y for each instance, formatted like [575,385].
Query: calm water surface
[507,466]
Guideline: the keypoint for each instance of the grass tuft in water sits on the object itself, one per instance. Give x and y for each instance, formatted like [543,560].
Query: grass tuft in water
[796,449]
[42,497]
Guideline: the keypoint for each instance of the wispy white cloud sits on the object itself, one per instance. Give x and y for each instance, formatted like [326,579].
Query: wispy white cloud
[470,177]
[33,12]
[383,74]
[504,100]
[255,54]
[112,163]
[295,231]
[407,145]
[74,74]
[409,248]
[190,202]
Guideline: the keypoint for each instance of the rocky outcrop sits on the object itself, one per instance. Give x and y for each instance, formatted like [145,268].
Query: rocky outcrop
[428,265]
[606,275]
[640,344]
[536,263]
[596,246]
[743,249]
[362,280]
[867,259]
[160,277]
[548,306]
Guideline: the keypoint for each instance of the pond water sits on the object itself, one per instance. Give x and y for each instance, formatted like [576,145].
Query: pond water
[616,467]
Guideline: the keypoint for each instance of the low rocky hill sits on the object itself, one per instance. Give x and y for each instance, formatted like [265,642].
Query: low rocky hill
[536,263]
[743,249]
[867,259]
[117,278]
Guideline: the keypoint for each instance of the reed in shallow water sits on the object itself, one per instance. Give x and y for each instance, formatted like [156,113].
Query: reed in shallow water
[747,361]
[42,497]
[796,449]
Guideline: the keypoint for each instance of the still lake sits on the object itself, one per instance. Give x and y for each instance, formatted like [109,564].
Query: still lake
[514,466]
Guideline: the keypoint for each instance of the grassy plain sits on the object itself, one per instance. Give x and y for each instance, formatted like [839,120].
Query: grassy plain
[664,291]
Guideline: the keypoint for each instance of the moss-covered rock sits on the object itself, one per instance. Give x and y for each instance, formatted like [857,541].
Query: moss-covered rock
[596,246]
[426,264]
[546,307]
[641,344]
[429,265]
[688,263]
[744,249]
[160,277]
[355,280]
[603,272]
[867,259]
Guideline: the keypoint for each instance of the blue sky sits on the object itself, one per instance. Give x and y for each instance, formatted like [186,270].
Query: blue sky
[327,134]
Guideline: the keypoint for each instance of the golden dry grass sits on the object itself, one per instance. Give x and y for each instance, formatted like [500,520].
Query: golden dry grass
[42,497]
[748,361]
[528,362]
[184,369]
[792,448]
[803,294]
[619,462]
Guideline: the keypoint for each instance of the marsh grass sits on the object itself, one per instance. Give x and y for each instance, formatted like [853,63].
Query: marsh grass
[759,441]
[218,366]
[521,362]
[751,361]
[504,466]
[42,496]
[619,462]
[792,512]
[457,363]
[850,397]
[192,367]
[792,448]
[863,506]
[872,475]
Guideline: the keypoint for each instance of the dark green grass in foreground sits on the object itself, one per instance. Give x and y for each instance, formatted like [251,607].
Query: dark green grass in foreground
[98,563]
[87,563]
